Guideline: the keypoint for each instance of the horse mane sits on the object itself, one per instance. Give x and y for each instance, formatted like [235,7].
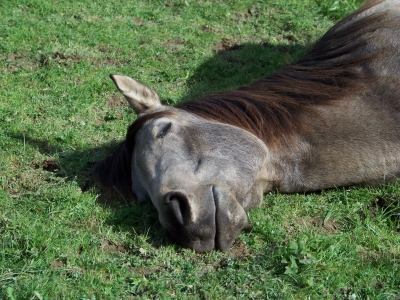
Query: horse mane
[272,108]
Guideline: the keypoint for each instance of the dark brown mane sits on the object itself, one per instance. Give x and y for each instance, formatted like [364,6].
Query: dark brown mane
[271,108]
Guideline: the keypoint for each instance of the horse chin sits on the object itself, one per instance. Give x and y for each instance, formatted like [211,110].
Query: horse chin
[217,229]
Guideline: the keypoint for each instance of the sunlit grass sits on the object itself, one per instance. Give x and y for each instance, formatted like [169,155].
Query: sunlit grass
[60,237]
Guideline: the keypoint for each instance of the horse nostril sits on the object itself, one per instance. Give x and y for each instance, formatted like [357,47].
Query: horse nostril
[178,206]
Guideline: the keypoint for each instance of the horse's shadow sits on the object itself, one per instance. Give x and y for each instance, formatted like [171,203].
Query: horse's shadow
[127,214]
[238,65]
[230,67]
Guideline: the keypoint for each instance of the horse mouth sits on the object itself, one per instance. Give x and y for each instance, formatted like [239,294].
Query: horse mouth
[217,227]
[203,235]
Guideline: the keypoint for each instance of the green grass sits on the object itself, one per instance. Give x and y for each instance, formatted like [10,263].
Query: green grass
[62,238]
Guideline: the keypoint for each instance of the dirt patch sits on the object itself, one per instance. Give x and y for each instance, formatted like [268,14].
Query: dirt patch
[116,101]
[139,21]
[114,108]
[143,271]
[239,250]
[329,226]
[378,286]
[57,264]
[253,11]
[64,56]
[173,42]
[245,16]
[108,61]
[20,61]
[290,37]
[108,246]
[51,165]
[207,28]
[60,58]
[98,121]
[103,48]
[226,45]
[74,272]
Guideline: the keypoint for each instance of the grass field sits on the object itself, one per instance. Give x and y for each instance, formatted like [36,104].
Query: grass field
[61,237]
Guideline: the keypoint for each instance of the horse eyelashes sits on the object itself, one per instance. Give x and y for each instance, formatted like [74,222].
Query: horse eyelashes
[166,129]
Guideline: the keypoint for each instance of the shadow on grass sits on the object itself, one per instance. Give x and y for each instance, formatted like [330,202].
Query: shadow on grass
[127,214]
[231,66]
[234,65]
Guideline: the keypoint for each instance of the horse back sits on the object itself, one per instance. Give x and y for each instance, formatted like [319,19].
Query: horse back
[356,141]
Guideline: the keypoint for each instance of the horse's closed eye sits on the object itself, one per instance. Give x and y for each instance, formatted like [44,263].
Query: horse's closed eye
[164,131]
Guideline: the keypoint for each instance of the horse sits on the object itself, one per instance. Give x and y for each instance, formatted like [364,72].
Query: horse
[331,119]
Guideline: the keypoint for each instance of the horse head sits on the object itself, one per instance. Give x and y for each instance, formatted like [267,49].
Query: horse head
[202,176]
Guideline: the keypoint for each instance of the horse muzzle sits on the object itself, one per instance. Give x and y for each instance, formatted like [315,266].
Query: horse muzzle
[212,220]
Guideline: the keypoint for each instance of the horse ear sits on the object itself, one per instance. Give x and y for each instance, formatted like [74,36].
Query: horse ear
[140,97]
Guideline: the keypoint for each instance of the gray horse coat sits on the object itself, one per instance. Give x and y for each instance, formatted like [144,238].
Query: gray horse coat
[332,119]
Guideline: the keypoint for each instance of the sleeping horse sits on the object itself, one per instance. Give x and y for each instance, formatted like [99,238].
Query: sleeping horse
[331,119]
